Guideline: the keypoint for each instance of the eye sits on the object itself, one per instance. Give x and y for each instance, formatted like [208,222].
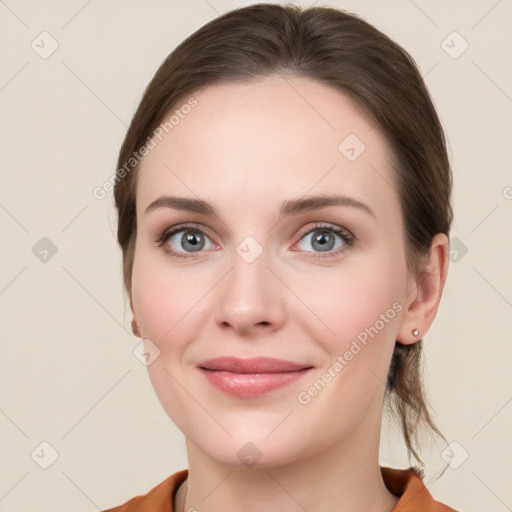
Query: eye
[183,241]
[331,240]
[186,241]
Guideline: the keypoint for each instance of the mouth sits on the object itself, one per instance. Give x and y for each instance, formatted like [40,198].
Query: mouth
[249,378]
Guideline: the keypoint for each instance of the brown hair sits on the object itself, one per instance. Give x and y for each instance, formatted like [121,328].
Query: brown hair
[345,52]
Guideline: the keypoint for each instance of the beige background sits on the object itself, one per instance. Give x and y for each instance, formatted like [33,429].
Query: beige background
[68,375]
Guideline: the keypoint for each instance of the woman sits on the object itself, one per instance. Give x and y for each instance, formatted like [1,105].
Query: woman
[283,194]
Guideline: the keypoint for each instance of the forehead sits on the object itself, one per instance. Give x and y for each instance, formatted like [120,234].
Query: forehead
[281,135]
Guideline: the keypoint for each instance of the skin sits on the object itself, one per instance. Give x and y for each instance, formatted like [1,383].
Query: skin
[246,148]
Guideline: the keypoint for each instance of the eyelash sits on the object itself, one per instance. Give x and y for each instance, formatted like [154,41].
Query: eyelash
[347,237]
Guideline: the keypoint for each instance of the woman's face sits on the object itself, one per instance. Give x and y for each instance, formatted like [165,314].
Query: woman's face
[272,273]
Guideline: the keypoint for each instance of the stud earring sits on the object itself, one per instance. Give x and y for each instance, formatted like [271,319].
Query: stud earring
[415,332]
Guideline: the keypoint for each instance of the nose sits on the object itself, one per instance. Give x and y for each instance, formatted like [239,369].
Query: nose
[250,298]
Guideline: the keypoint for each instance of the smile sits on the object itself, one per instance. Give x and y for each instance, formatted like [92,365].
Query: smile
[249,378]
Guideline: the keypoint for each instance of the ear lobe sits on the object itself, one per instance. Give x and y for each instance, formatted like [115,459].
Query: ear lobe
[422,302]
[135,328]
[135,323]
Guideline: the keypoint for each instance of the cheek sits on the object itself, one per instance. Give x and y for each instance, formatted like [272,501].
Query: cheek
[359,312]
[161,299]
[358,317]
[153,301]
[167,303]
[172,302]
[347,302]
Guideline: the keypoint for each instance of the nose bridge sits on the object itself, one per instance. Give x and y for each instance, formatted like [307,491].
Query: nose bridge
[248,296]
[249,266]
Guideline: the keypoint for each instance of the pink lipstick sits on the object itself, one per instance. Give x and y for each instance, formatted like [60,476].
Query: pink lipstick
[248,378]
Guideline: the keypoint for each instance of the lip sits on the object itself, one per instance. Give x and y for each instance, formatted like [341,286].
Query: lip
[248,378]
[252,365]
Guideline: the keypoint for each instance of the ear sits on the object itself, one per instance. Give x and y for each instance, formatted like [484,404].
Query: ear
[135,322]
[425,292]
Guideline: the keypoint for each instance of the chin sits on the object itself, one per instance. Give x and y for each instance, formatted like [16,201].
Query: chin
[247,448]
[253,455]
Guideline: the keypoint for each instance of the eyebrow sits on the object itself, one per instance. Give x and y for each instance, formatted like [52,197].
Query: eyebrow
[288,208]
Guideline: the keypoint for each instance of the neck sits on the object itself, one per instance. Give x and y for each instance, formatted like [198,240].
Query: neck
[345,477]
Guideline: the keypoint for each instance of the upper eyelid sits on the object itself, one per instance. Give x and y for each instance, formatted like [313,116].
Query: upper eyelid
[173,230]
[326,225]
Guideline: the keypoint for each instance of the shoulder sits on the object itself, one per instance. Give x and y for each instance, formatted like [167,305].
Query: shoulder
[409,486]
[160,497]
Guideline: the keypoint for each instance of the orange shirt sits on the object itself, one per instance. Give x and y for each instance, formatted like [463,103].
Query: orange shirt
[404,483]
